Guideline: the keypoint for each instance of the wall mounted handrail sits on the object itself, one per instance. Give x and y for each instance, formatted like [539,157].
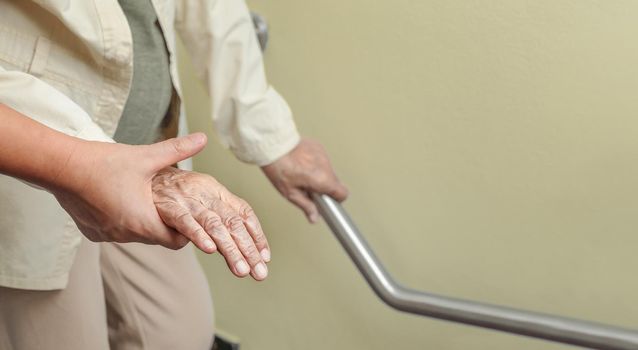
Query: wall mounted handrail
[532,324]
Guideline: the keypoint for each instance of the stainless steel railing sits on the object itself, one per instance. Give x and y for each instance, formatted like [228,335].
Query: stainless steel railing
[533,324]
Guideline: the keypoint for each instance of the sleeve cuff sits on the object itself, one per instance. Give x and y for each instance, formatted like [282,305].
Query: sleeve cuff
[270,149]
[92,132]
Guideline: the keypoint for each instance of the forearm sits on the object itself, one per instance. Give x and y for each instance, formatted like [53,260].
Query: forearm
[220,38]
[105,187]
[33,152]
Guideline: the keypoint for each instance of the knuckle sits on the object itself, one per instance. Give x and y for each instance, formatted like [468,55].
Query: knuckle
[246,211]
[230,249]
[257,229]
[178,146]
[162,207]
[322,178]
[181,216]
[260,239]
[339,193]
[251,254]
[192,232]
[294,197]
[198,232]
[212,223]
[234,223]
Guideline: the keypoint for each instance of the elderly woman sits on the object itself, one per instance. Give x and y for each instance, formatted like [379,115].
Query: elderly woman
[90,107]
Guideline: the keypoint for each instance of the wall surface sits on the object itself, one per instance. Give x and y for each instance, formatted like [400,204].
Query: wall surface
[491,149]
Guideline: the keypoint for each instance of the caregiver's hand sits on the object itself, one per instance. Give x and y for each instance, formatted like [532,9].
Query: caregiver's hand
[213,218]
[106,188]
[305,169]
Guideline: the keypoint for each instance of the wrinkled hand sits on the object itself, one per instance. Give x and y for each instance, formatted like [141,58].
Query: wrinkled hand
[305,169]
[213,218]
[106,188]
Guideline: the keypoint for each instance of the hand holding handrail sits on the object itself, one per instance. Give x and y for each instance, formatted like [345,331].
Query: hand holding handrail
[533,324]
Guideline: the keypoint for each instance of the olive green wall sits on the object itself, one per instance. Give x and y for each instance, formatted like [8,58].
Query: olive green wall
[491,149]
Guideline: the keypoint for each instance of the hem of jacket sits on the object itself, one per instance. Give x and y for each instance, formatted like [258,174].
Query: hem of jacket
[59,278]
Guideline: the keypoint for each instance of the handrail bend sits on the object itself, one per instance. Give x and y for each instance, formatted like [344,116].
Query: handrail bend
[532,324]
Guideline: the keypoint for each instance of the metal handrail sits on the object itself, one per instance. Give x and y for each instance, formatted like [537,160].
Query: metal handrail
[532,324]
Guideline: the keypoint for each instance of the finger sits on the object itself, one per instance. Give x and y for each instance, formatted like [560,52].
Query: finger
[173,240]
[149,228]
[301,200]
[182,220]
[166,237]
[172,151]
[328,184]
[212,223]
[339,191]
[235,225]
[251,222]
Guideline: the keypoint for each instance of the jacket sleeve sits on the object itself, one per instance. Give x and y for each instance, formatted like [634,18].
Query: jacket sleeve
[40,101]
[251,118]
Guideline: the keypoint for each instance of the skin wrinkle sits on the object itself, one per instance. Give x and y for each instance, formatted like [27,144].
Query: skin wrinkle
[104,215]
[305,169]
[196,204]
[125,193]
[110,190]
[65,164]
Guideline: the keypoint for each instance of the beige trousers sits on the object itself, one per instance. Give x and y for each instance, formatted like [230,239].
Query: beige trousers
[119,297]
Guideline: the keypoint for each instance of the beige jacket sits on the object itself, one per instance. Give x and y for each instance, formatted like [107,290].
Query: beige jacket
[68,64]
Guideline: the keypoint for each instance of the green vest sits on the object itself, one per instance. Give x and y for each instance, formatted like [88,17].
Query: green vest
[151,88]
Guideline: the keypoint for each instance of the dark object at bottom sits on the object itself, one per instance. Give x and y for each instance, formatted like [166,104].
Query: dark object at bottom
[224,344]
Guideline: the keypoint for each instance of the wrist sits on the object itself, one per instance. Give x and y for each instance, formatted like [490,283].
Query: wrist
[74,165]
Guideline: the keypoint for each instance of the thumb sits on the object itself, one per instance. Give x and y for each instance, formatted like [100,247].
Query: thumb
[171,151]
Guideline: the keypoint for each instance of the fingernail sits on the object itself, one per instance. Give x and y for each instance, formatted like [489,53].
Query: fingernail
[314,217]
[265,254]
[208,244]
[261,271]
[242,268]
[198,138]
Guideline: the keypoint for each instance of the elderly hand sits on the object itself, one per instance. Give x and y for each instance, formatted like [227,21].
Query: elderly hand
[106,188]
[305,169]
[213,218]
